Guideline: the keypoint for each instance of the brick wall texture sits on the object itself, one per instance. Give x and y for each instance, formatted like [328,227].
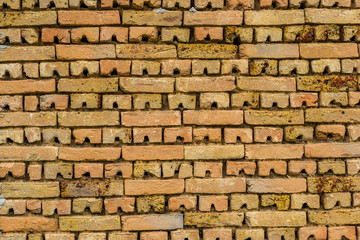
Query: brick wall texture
[179,119]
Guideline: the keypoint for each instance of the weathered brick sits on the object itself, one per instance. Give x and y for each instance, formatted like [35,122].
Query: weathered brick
[328,50]
[30,189]
[91,188]
[75,52]
[279,185]
[88,85]
[216,186]
[332,16]
[105,118]
[334,217]
[147,85]
[230,17]
[207,51]
[277,51]
[29,18]
[213,219]
[151,18]
[89,154]
[332,83]
[89,223]
[145,51]
[261,117]
[285,219]
[88,17]
[274,17]
[28,53]
[153,118]
[214,152]
[31,224]
[213,117]
[276,84]
[152,222]
[143,153]
[332,115]
[205,84]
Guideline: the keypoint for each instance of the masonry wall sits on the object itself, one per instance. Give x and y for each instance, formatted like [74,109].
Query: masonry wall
[179,119]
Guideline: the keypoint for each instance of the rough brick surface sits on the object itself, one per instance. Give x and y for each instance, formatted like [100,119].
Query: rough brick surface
[179,119]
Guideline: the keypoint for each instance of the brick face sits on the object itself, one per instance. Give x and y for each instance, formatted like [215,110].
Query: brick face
[179,119]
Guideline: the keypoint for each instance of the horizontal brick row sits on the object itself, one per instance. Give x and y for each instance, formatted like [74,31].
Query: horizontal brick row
[196,68]
[182,51]
[178,152]
[150,34]
[184,170]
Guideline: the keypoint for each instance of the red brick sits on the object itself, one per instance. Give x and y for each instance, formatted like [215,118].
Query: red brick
[48,35]
[214,117]
[27,86]
[74,52]
[143,153]
[20,224]
[215,186]
[89,154]
[205,84]
[283,151]
[153,118]
[329,50]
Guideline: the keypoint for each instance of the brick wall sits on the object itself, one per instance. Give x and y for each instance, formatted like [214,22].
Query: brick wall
[179,119]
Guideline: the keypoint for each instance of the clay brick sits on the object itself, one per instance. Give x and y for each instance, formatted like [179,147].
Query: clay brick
[62,207]
[207,135]
[91,188]
[34,171]
[182,234]
[333,150]
[145,51]
[113,135]
[140,68]
[298,201]
[30,190]
[205,84]
[89,154]
[89,101]
[288,219]
[238,34]
[122,169]
[294,185]
[116,102]
[297,167]
[243,234]
[328,50]
[152,222]
[207,67]
[147,101]
[153,118]
[213,168]
[287,67]
[24,224]
[182,202]
[207,51]
[214,34]
[230,17]
[333,132]
[52,170]
[299,99]
[89,223]
[332,217]
[88,17]
[235,168]
[221,233]
[117,67]
[143,34]
[214,152]
[136,153]
[151,18]
[17,206]
[29,18]
[261,117]
[126,204]
[183,134]
[11,70]
[150,169]
[330,83]
[213,219]
[16,169]
[147,85]
[75,52]
[278,167]
[277,51]
[150,187]
[87,119]
[93,135]
[234,66]
[95,170]
[273,17]
[27,86]
[216,185]
[213,117]
[332,16]
[277,84]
